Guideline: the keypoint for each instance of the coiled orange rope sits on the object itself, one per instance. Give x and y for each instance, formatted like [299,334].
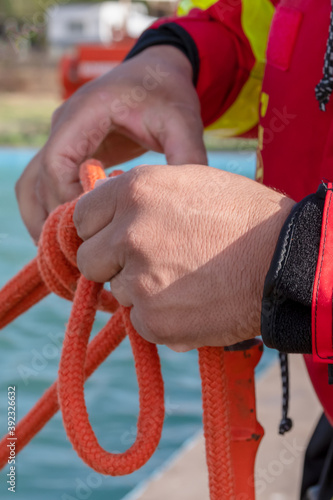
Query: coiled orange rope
[54,270]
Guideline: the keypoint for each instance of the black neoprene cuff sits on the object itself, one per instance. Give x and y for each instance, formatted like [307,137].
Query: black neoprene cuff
[287,296]
[169,34]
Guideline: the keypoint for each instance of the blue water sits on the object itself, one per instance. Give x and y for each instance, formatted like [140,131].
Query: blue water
[48,468]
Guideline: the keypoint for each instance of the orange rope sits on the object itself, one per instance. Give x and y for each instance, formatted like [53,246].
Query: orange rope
[216,422]
[54,270]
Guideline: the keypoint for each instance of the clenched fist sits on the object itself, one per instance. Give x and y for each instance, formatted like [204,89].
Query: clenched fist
[187,247]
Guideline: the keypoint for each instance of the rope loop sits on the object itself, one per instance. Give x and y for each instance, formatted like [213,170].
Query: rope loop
[55,270]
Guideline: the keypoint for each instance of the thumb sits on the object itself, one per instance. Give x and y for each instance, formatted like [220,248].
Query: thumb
[182,141]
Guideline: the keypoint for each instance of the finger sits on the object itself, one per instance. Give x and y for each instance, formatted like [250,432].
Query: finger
[121,289]
[74,139]
[179,347]
[96,209]
[154,327]
[140,325]
[182,140]
[32,211]
[101,257]
[48,193]
[118,147]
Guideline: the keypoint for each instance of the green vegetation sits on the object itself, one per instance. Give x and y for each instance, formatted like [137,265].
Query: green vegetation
[25,8]
[27,106]
[24,120]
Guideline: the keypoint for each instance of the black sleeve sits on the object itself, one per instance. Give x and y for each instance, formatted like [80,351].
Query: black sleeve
[287,296]
[169,34]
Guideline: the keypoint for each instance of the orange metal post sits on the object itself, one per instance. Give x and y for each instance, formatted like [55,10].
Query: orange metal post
[246,431]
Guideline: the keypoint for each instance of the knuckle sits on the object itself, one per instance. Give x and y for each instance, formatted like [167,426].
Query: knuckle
[131,241]
[118,284]
[139,289]
[57,164]
[120,290]
[150,330]
[151,322]
[138,186]
[51,167]
[153,328]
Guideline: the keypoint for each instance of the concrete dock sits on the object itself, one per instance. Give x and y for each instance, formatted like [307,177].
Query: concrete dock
[279,460]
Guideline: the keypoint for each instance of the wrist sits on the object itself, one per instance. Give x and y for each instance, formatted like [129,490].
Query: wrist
[169,58]
[276,208]
[286,317]
[183,54]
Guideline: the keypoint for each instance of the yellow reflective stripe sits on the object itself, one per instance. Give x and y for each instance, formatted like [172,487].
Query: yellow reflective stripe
[256,20]
[264,104]
[260,138]
[185,6]
[243,113]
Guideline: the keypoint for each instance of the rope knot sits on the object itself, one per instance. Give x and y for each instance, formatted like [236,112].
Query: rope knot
[57,249]
[59,243]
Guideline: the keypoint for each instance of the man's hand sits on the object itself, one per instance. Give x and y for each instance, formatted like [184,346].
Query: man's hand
[188,247]
[146,103]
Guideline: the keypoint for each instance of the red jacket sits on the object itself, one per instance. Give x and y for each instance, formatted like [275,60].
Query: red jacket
[295,137]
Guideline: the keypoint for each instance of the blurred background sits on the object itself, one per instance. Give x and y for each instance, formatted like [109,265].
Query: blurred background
[41,59]
[49,48]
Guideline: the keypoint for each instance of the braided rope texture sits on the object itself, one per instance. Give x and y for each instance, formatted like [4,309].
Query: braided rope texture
[54,270]
[324,88]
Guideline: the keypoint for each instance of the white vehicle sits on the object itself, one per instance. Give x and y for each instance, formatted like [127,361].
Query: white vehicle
[101,23]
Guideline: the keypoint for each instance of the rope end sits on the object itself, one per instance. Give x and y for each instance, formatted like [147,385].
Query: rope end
[285,425]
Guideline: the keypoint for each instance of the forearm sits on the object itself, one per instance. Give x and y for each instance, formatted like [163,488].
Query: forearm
[214,54]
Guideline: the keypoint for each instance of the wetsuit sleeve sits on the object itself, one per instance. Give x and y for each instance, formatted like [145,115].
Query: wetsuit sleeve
[221,57]
[297,306]
[287,295]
